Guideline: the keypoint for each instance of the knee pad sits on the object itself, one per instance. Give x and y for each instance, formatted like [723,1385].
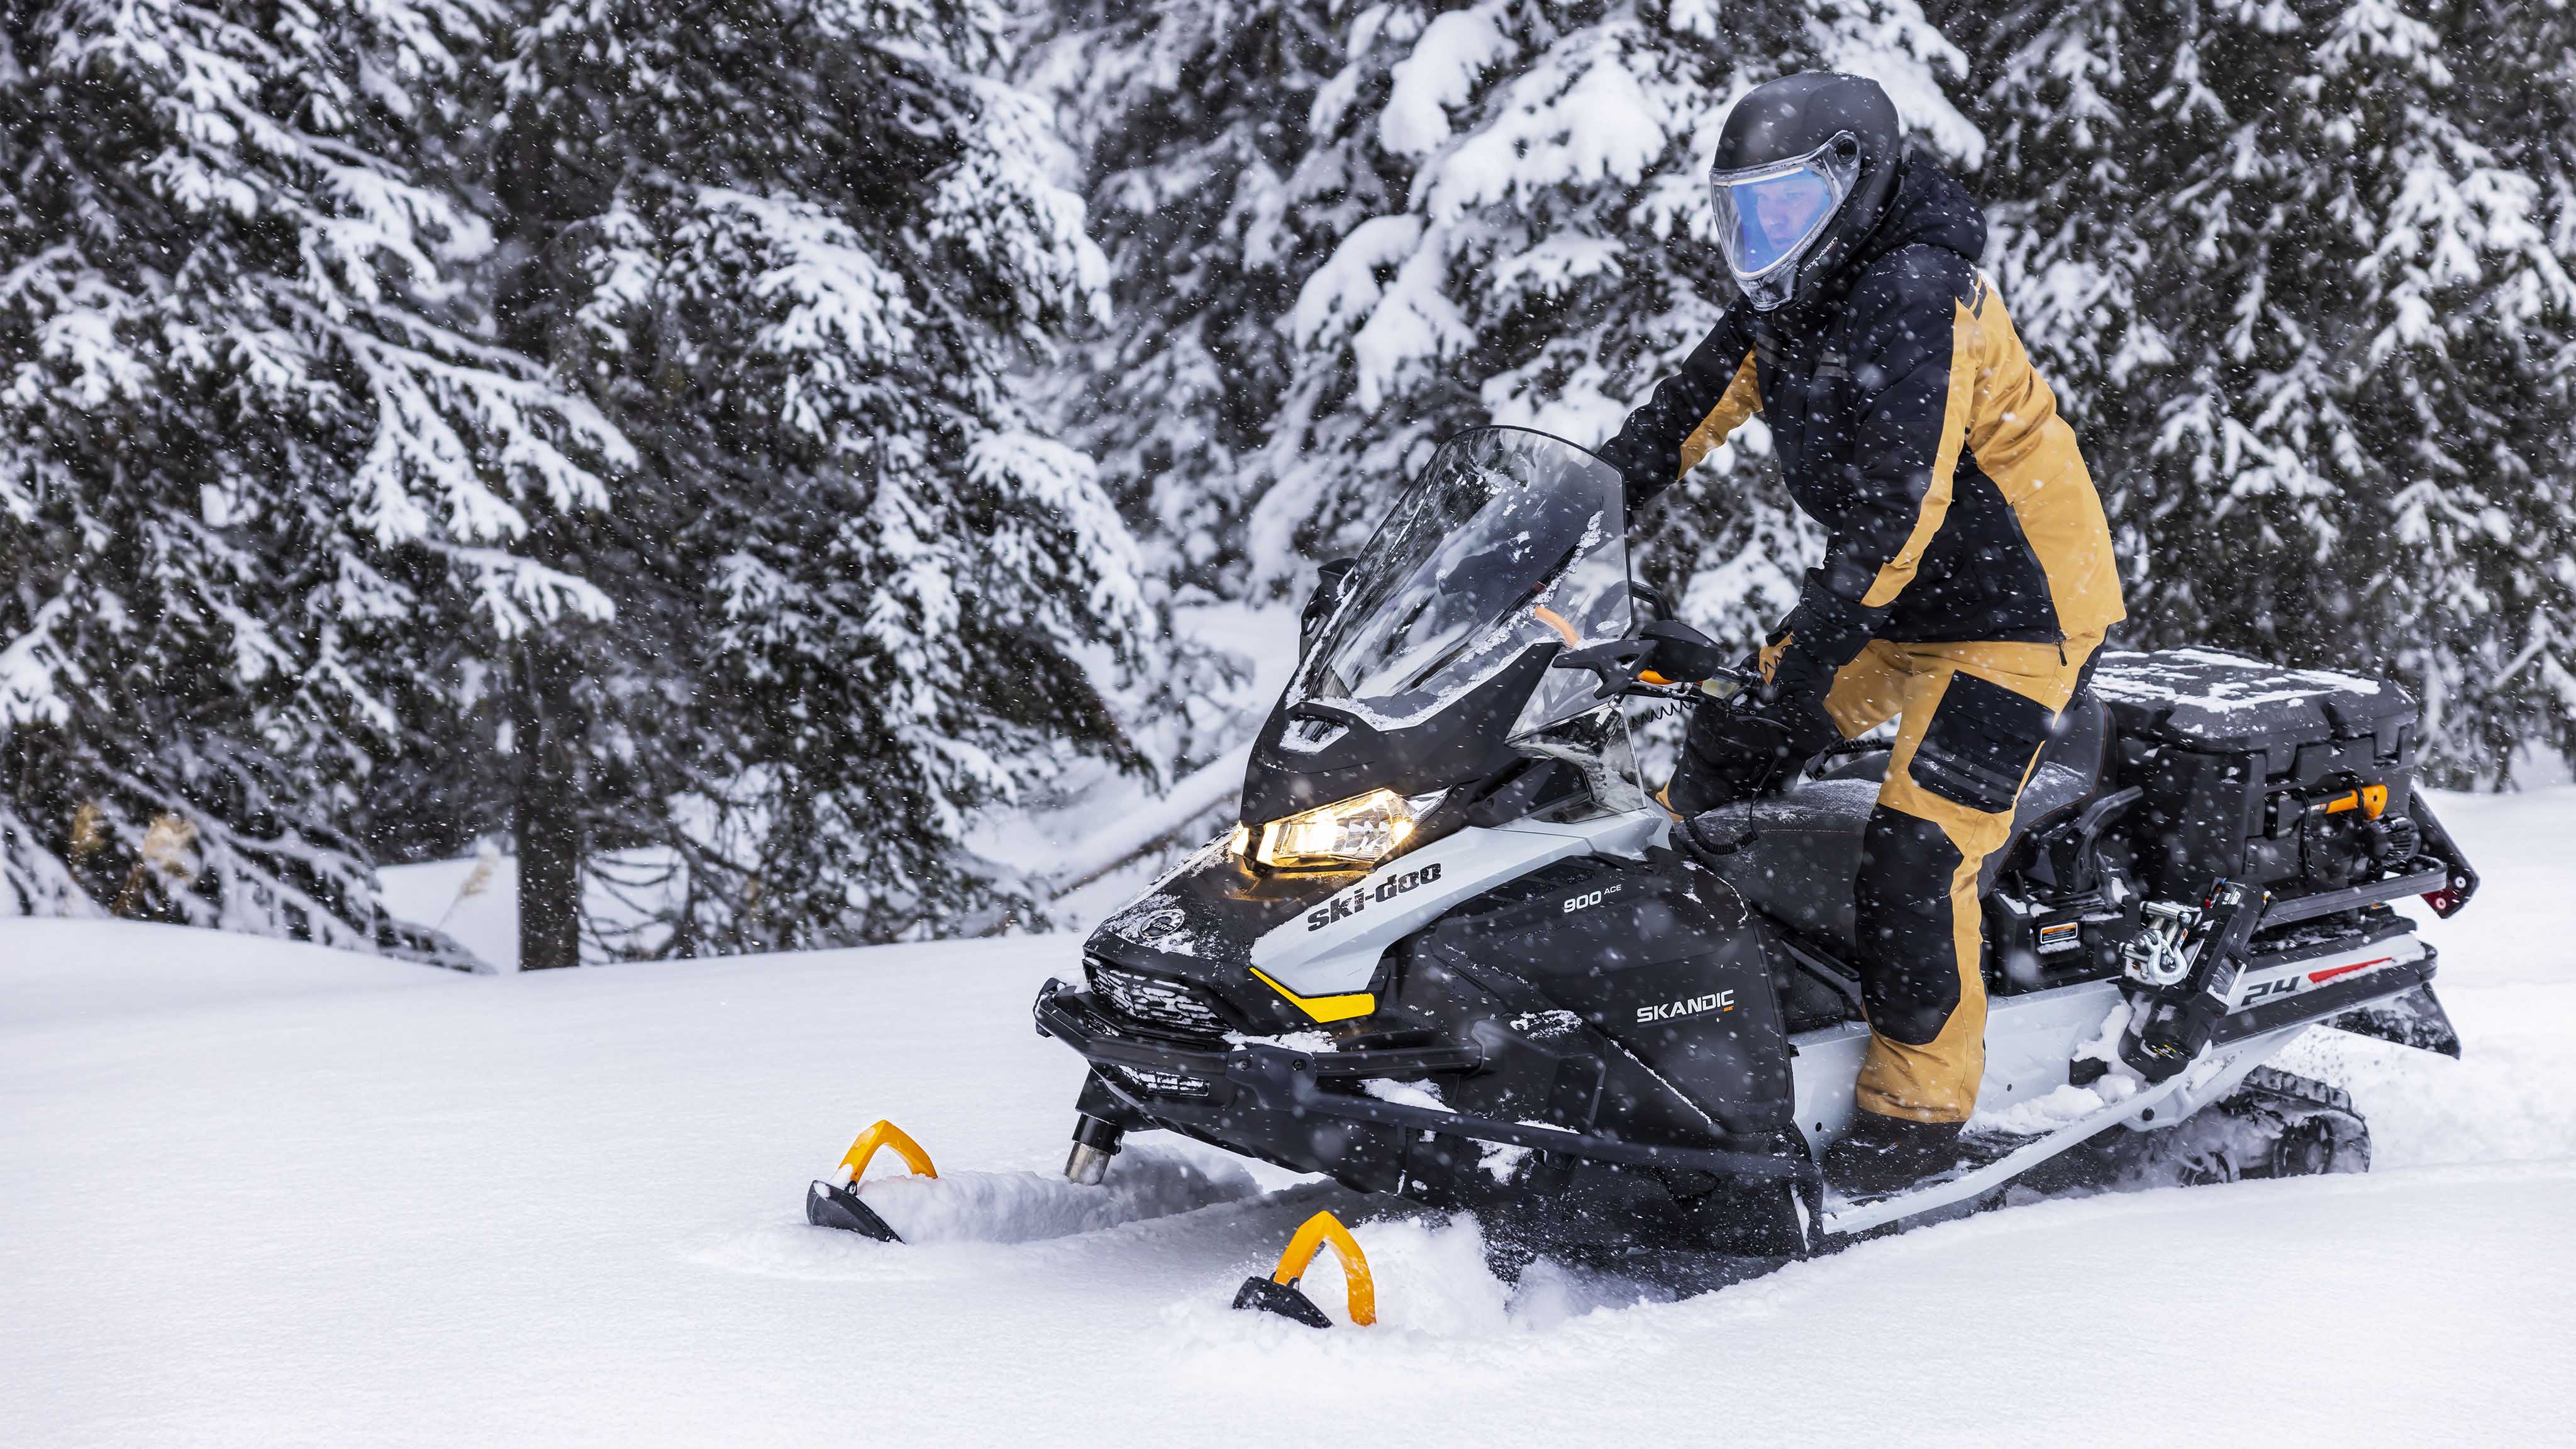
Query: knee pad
[1909,954]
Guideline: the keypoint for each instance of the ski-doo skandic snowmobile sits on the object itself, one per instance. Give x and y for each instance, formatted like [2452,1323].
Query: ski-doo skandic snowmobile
[1455,951]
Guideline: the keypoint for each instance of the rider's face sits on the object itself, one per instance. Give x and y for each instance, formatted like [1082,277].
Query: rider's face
[1782,213]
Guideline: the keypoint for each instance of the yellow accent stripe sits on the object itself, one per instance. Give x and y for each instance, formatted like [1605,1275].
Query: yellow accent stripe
[1741,400]
[1556,621]
[1323,1008]
[1899,570]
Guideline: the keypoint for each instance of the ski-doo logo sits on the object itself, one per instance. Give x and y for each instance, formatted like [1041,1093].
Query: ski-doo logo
[1343,907]
[1690,1006]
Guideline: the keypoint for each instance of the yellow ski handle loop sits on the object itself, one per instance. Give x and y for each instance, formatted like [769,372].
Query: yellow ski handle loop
[1311,1237]
[886,1134]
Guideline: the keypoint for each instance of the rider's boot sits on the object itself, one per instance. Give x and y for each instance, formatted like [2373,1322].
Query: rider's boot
[1878,1155]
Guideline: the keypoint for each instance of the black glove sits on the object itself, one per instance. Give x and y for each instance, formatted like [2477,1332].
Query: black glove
[1825,632]
[1794,698]
[1729,754]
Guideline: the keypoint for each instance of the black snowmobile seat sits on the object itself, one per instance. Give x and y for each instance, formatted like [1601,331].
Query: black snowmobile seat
[1805,852]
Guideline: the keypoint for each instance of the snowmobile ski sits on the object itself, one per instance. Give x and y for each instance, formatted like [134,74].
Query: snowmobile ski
[837,1204]
[1280,1294]
[830,1205]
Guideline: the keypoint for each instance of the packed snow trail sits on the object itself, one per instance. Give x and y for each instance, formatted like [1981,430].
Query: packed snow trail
[262,1194]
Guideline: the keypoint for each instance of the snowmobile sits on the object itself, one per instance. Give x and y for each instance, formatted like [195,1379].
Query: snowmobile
[1455,951]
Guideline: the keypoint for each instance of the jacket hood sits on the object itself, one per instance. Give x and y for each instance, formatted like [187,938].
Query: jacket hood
[1930,208]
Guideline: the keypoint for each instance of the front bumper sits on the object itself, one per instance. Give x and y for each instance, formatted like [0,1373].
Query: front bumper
[1255,1077]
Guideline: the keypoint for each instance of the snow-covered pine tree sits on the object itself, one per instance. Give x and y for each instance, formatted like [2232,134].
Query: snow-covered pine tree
[1190,116]
[1186,116]
[251,448]
[798,248]
[2299,271]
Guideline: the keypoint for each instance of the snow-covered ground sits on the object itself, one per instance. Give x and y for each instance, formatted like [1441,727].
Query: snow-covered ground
[265,1195]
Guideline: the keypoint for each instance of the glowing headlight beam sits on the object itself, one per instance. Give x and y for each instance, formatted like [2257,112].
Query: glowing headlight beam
[1360,831]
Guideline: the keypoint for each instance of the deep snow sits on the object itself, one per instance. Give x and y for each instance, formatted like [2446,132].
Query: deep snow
[265,1194]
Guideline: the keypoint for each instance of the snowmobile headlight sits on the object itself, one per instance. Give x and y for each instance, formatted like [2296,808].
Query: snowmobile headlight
[1360,831]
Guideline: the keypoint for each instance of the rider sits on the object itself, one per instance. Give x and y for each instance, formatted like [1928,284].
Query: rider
[1967,577]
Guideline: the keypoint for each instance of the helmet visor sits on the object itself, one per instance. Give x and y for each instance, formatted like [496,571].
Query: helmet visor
[1768,216]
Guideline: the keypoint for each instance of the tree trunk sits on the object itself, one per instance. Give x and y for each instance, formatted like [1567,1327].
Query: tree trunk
[546,814]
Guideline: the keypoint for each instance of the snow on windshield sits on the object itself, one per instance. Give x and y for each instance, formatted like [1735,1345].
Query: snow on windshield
[1511,539]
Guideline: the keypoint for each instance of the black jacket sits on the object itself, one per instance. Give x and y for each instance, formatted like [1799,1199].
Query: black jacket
[1909,422]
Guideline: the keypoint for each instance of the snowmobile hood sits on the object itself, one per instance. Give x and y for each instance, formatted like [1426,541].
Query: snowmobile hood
[1268,952]
[1198,925]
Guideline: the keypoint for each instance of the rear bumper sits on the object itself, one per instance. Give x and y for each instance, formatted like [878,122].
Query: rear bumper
[1255,1079]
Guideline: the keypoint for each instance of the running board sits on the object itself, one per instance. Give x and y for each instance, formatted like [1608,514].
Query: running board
[1976,1182]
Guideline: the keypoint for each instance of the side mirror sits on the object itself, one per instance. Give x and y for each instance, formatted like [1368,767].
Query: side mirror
[1332,580]
[1650,603]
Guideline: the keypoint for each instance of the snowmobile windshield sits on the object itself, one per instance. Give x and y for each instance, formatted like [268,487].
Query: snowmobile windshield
[1511,538]
[1769,216]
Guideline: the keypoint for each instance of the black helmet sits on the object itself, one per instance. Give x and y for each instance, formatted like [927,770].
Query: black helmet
[1805,167]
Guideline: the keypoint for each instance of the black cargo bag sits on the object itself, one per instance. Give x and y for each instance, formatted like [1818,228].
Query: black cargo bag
[2296,780]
